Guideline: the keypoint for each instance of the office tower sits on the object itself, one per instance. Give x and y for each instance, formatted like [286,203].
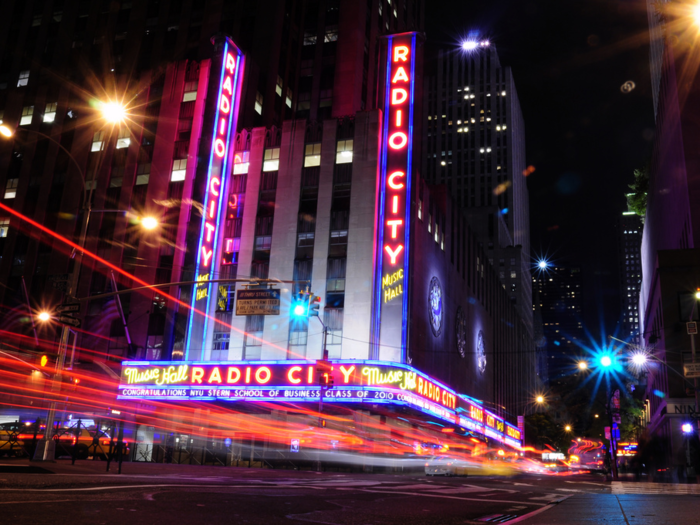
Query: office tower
[629,241]
[475,144]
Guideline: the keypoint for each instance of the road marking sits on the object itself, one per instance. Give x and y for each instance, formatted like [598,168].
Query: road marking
[549,498]
[569,490]
[587,483]
[431,495]
[39,501]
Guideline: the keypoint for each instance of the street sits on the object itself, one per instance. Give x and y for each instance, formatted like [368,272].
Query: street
[147,493]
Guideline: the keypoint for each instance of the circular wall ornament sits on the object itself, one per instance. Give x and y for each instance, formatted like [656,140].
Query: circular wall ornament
[461,332]
[480,352]
[435,300]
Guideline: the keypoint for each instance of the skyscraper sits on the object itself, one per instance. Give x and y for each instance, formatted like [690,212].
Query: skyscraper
[560,293]
[475,144]
[629,242]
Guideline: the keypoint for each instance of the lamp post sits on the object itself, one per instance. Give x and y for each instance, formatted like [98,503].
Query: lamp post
[113,114]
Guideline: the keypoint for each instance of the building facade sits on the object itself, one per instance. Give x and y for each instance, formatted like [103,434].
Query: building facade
[629,244]
[669,257]
[560,294]
[474,142]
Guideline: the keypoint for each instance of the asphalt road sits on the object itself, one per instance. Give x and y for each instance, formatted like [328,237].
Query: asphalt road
[162,494]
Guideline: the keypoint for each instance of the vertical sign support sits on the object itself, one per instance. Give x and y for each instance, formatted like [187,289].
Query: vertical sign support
[220,119]
[392,231]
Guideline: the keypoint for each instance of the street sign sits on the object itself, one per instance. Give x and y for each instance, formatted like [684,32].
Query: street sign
[294,446]
[692,327]
[71,321]
[691,370]
[258,302]
[64,308]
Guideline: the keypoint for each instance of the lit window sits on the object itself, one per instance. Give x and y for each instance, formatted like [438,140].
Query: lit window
[288,101]
[312,155]
[190,91]
[513,274]
[179,170]
[50,112]
[331,34]
[241,161]
[263,243]
[232,246]
[278,87]
[4,227]
[124,139]
[27,113]
[305,240]
[23,78]
[98,141]
[309,39]
[11,188]
[503,93]
[437,237]
[442,242]
[271,160]
[344,152]
[420,209]
[143,174]
[258,103]
[430,222]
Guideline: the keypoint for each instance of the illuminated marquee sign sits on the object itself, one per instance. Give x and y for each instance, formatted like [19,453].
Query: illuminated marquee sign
[393,201]
[227,72]
[374,382]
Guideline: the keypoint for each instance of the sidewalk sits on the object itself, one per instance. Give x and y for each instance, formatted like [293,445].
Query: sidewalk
[610,509]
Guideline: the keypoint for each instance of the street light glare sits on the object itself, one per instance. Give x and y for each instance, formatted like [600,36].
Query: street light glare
[639,359]
[149,223]
[696,14]
[567,428]
[687,428]
[469,45]
[44,316]
[697,293]
[605,361]
[543,264]
[299,310]
[540,399]
[7,132]
[113,112]
[582,365]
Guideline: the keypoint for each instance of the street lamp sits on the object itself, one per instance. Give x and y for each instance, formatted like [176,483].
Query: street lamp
[582,365]
[44,316]
[540,399]
[113,112]
[567,428]
[149,223]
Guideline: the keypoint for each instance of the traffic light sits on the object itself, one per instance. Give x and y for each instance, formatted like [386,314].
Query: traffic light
[300,305]
[314,305]
[324,374]
[44,360]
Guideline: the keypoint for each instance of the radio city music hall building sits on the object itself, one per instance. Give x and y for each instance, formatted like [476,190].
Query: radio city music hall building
[416,317]
[332,198]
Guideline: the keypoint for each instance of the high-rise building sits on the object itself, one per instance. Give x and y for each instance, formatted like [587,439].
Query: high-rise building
[474,142]
[629,243]
[321,194]
[559,290]
[670,257]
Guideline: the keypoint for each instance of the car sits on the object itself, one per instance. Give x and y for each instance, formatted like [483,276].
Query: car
[12,437]
[448,466]
[90,442]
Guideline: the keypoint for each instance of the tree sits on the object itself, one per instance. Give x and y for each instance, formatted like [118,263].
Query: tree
[637,200]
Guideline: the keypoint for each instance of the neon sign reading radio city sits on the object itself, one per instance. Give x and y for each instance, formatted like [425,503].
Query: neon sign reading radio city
[223,117]
[394,210]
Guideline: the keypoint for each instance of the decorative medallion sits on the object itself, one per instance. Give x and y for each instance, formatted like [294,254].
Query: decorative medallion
[480,352]
[461,332]
[435,299]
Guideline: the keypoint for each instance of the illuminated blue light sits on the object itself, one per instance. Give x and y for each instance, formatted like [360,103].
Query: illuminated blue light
[299,310]
[542,264]
[470,45]
[504,211]
[606,361]
[659,393]
[687,428]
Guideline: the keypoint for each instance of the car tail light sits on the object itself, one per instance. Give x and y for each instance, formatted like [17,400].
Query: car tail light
[74,440]
[105,442]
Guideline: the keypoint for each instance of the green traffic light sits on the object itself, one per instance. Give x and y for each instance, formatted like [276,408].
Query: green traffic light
[605,361]
[299,310]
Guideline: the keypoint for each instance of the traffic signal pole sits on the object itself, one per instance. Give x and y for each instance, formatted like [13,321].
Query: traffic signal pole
[324,387]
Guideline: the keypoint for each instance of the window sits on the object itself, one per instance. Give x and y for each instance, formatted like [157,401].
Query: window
[258,103]
[143,173]
[124,138]
[241,161]
[11,188]
[420,209]
[312,156]
[23,78]
[298,338]
[305,240]
[253,339]
[232,246]
[344,152]
[190,91]
[50,112]
[4,227]
[2,115]
[437,236]
[98,141]
[263,243]
[309,39]
[271,160]
[288,101]
[27,113]
[179,170]
[278,87]
[220,345]
[430,222]
[513,274]
[331,34]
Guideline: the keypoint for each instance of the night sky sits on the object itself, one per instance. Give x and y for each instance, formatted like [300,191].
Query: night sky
[584,135]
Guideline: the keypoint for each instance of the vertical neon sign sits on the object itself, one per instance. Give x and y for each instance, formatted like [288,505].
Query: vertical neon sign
[223,118]
[390,308]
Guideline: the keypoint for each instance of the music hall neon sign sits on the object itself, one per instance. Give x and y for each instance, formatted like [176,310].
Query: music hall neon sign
[229,76]
[394,193]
